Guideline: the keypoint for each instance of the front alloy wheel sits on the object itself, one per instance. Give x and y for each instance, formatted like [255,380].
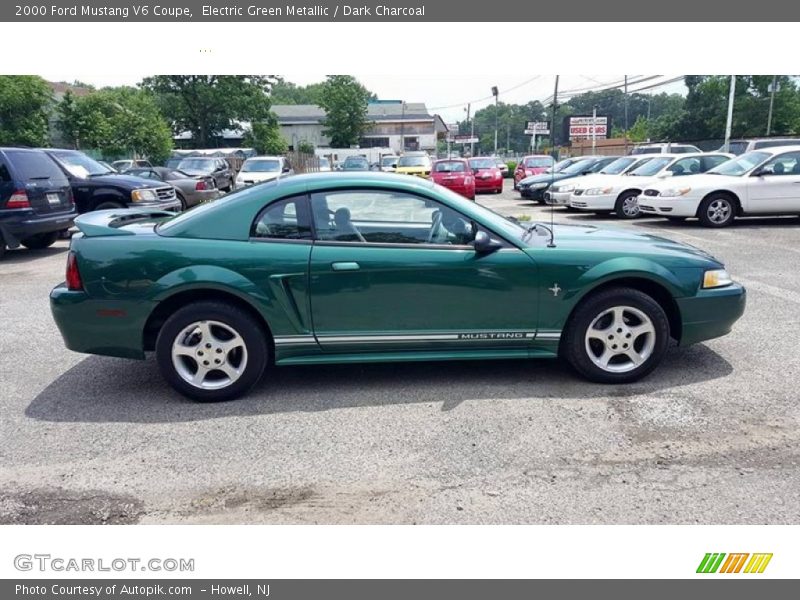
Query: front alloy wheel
[627,206]
[717,211]
[616,336]
[212,351]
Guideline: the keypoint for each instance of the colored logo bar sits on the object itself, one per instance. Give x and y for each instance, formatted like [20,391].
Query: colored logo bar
[737,562]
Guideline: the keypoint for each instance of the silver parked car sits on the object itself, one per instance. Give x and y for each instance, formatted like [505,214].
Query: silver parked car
[190,190]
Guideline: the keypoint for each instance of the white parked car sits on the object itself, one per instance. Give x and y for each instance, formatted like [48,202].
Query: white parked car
[619,193]
[389,163]
[560,193]
[762,182]
[262,168]
[665,148]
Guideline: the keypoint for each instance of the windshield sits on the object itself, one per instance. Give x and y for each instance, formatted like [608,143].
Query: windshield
[578,167]
[455,166]
[355,161]
[483,163]
[561,165]
[258,165]
[651,167]
[388,161]
[413,161]
[203,165]
[740,165]
[618,166]
[538,162]
[80,165]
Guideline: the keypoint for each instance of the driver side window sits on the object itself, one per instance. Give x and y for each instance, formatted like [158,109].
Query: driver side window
[385,217]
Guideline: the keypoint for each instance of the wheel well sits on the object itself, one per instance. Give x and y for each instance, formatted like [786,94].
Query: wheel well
[727,193]
[168,306]
[655,290]
[623,192]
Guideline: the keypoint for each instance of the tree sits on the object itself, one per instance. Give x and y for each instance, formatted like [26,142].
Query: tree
[345,103]
[117,121]
[24,108]
[265,136]
[206,105]
[511,122]
[305,147]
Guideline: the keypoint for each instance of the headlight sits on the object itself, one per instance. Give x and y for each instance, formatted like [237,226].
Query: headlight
[716,278]
[597,191]
[674,192]
[143,196]
[564,188]
[539,186]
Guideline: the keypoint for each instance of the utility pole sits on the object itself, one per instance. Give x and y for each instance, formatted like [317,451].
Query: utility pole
[771,103]
[403,129]
[472,131]
[553,117]
[594,129]
[508,135]
[495,93]
[626,114]
[726,147]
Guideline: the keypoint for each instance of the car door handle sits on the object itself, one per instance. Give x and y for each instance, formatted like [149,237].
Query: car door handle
[345,266]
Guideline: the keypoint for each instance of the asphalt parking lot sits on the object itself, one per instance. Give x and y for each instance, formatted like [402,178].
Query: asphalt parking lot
[711,437]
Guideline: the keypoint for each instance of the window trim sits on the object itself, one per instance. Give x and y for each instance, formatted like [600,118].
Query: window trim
[303,214]
[506,243]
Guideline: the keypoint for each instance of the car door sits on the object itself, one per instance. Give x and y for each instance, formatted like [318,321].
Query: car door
[775,187]
[394,271]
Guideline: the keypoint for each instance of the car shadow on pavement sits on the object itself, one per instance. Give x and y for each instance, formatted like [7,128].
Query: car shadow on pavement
[100,389]
[791,222]
[22,255]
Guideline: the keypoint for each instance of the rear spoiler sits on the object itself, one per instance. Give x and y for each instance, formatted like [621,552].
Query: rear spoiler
[107,222]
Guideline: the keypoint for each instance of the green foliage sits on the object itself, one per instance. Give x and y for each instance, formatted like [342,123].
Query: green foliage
[206,105]
[24,107]
[345,103]
[512,166]
[117,121]
[511,121]
[265,136]
[305,147]
[286,92]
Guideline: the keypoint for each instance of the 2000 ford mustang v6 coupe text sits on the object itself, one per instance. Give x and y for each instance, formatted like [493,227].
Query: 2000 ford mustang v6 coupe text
[343,268]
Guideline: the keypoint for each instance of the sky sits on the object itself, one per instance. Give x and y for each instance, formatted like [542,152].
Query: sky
[446,95]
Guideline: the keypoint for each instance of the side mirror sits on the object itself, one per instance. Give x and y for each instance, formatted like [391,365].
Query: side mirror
[483,244]
[759,173]
[286,169]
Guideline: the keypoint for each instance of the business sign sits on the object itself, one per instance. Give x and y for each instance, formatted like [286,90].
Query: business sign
[465,139]
[582,127]
[537,128]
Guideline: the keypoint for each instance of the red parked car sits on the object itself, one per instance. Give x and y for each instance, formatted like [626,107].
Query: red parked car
[455,174]
[488,177]
[532,165]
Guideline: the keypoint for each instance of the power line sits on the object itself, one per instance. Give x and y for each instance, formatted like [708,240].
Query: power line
[489,97]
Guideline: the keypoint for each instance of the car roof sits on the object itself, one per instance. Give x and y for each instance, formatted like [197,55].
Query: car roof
[264,158]
[779,149]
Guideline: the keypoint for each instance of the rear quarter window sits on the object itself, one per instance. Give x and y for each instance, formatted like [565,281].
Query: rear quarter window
[35,166]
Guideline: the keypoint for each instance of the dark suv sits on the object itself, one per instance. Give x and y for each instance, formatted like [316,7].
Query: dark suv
[35,199]
[94,187]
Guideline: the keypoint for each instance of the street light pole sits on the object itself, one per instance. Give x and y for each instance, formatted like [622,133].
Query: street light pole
[403,128]
[626,114]
[771,103]
[594,128]
[726,147]
[495,93]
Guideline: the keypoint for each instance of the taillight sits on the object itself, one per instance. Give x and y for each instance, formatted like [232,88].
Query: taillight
[19,199]
[74,282]
[200,185]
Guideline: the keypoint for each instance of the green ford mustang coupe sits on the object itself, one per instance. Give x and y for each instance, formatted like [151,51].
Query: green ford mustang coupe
[363,267]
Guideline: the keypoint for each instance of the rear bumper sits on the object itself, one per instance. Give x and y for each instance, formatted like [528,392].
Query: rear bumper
[488,184]
[107,327]
[465,190]
[18,225]
[711,313]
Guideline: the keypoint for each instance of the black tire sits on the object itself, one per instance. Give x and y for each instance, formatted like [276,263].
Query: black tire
[676,219]
[2,246]
[718,210]
[40,241]
[576,348]
[248,328]
[108,205]
[623,208]
[182,201]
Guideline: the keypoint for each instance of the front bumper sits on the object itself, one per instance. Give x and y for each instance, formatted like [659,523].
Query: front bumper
[534,194]
[557,198]
[601,202]
[668,207]
[174,205]
[711,313]
[18,225]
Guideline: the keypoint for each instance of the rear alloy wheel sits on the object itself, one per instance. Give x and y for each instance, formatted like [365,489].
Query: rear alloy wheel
[40,240]
[212,351]
[717,211]
[627,206]
[617,336]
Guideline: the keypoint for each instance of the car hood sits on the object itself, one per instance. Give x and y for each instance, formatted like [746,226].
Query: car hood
[545,178]
[258,176]
[127,181]
[622,242]
[699,181]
